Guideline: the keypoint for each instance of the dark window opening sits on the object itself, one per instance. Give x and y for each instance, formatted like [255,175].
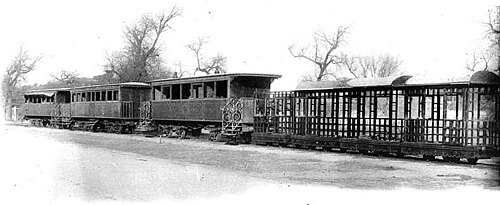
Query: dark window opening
[157,93]
[110,95]
[93,97]
[221,89]
[176,92]
[115,95]
[197,91]
[209,91]
[84,97]
[88,96]
[98,96]
[103,95]
[165,92]
[186,93]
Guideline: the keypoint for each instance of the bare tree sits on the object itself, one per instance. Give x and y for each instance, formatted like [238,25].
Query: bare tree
[142,50]
[65,78]
[493,33]
[479,60]
[372,66]
[216,64]
[179,71]
[16,72]
[351,63]
[323,52]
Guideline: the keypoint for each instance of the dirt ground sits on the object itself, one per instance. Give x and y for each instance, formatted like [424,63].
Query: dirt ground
[60,165]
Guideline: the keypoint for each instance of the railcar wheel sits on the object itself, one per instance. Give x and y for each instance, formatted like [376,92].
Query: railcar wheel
[182,134]
[472,160]
[197,132]
[364,152]
[451,159]
[429,157]
[170,133]
[217,137]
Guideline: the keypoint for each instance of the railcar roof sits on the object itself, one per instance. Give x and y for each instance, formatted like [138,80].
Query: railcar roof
[215,76]
[128,85]
[321,85]
[480,77]
[45,92]
[375,82]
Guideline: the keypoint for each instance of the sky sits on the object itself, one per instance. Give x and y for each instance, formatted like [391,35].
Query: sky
[430,37]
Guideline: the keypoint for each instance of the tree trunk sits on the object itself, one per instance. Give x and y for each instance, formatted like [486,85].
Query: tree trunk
[8,109]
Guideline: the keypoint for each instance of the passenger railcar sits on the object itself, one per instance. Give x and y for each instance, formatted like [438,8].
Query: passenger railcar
[41,107]
[195,102]
[402,115]
[112,107]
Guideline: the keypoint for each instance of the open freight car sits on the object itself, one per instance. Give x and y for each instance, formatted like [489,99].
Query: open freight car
[404,115]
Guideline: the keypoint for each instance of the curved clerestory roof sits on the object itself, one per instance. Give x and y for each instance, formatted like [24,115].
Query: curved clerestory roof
[480,77]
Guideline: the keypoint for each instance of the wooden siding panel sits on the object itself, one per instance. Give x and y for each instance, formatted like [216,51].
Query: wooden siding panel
[248,110]
[198,110]
[39,109]
[65,110]
[107,109]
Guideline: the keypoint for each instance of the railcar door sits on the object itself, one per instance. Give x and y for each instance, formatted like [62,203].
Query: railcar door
[300,121]
[414,116]
[453,116]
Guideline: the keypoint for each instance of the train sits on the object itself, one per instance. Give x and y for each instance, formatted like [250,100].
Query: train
[454,118]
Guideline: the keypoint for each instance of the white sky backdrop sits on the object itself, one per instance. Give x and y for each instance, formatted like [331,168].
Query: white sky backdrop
[431,37]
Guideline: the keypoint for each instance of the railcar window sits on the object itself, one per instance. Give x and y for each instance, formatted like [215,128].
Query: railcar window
[382,107]
[197,91]
[88,96]
[84,97]
[176,92]
[341,106]
[115,95]
[401,107]
[93,97]
[109,95]
[428,108]
[487,107]
[328,107]
[300,107]
[221,89]
[157,93]
[98,96]
[354,107]
[103,95]
[209,91]
[186,91]
[165,92]
[453,107]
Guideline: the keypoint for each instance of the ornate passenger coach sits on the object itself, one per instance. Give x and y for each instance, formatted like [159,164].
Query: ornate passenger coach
[195,102]
[43,106]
